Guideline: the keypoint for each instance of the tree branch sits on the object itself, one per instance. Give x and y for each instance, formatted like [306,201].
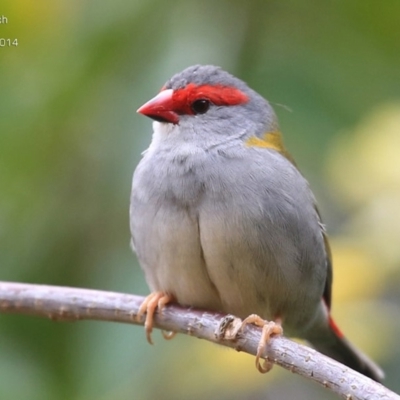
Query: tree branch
[71,304]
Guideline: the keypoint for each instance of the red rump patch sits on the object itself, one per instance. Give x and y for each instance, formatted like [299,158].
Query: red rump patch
[219,95]
[332,323]
[335,328]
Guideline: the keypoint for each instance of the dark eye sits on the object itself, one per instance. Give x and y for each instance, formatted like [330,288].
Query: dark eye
[200,106]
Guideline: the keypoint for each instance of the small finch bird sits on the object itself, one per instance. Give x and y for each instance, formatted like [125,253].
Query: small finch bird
[221,218]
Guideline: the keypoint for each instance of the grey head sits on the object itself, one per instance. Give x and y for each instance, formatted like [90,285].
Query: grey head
[205,98]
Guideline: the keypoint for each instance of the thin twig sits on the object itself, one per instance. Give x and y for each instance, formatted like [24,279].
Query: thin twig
[71,304]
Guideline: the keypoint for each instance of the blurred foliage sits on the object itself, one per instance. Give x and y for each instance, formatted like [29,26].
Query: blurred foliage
[70,139]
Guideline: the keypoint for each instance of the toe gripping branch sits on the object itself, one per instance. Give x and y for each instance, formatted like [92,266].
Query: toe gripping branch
[149,306]
[230,328]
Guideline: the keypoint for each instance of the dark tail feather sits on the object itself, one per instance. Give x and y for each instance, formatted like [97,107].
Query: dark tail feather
[336,346]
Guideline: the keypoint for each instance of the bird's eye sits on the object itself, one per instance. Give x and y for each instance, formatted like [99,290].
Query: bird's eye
[200,106]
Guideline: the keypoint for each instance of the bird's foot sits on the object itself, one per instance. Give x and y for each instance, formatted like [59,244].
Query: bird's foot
[150,304]
[269,328]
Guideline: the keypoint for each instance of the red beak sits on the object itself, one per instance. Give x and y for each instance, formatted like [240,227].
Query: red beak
[161,108]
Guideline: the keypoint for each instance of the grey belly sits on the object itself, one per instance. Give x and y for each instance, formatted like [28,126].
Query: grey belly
[169,250]
[220,252]
[207,262]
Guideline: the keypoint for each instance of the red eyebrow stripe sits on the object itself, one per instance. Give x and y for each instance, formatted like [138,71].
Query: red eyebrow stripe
[218,95]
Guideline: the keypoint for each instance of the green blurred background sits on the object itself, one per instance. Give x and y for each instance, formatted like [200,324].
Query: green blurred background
[70,139]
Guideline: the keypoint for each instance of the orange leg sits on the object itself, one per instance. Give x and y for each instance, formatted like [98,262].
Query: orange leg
[148,307]
[269,328]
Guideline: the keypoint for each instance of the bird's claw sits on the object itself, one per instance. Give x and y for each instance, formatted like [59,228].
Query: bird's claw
[269,328]
[150,304]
